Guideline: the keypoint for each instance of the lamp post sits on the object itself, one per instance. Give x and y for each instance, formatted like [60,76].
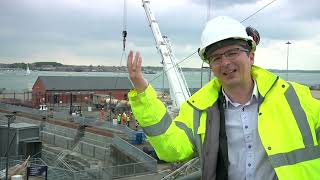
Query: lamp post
[110,118]
[10,117]
[288,43]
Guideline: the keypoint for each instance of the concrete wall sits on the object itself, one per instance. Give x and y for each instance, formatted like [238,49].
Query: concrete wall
[91,150]
[57,115]
[57,140]
[3,139]
[131,150]
[96,139]
[60,130]
[123,165]
[128,160]
[62,141]
[47,137]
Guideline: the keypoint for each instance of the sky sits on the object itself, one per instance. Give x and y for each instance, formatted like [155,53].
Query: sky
[89,32]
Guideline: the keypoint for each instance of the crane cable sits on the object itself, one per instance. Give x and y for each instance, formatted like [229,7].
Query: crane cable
[172,66]
[258,11]
[124,32]
[124,36]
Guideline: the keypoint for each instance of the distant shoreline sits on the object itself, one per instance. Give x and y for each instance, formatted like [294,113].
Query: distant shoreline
[123,69]
[55,66]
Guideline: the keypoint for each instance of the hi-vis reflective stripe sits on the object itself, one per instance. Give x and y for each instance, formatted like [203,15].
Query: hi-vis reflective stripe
[310,152]
[300,116]
[194,137]
[159,128]
[197,138]
[187,130]
[296,156]
[318,134]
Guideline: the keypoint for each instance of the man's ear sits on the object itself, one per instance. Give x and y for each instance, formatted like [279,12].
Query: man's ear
[251,57]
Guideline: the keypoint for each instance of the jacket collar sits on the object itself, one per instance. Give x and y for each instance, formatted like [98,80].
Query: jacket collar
[208,95]
[254,97]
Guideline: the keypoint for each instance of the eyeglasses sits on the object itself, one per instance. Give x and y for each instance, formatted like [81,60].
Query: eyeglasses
[231,54]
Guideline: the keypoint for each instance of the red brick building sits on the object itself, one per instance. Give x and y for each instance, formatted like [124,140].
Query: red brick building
[77,89]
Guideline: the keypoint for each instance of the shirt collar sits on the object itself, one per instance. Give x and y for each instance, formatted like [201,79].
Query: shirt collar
[254,96]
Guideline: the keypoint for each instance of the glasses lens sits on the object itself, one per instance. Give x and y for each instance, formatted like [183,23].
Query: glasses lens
[215,59]
[232,53]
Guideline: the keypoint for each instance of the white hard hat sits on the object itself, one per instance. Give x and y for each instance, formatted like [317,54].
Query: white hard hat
[222,28]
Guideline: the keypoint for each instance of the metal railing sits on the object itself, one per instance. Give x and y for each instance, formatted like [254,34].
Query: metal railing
[145,165]
[99,173]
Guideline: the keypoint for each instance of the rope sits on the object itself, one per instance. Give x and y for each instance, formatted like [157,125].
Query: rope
[122,55]
[124,35]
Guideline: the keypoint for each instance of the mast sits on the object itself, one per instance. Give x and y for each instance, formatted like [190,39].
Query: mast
[179,91]
[27,71]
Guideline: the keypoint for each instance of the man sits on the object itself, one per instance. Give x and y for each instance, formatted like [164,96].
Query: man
[128,120]
[119,118]
[247,123]
[124,118]
[101,114]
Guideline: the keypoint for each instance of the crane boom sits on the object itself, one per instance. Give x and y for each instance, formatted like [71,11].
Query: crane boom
[179,91]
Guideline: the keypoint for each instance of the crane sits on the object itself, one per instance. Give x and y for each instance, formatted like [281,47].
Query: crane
[179,90]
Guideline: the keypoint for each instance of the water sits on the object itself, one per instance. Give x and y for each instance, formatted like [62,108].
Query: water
[19,82]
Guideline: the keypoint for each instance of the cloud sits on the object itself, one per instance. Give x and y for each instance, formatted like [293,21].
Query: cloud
[221,4]
[274,56]
[90,31]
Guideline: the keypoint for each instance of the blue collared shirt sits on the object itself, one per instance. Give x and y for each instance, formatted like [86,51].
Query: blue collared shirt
[247,157]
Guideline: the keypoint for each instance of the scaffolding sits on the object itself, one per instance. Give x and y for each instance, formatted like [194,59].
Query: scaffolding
[78,154]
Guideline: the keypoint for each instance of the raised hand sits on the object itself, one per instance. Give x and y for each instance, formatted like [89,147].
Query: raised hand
[135,73]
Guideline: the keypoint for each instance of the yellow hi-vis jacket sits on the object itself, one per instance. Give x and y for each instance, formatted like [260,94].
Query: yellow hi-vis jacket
[288,124]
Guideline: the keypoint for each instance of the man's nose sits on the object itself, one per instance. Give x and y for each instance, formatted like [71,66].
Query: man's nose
[224,60]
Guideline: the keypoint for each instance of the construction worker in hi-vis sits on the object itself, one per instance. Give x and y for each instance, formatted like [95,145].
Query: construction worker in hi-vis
[246,123]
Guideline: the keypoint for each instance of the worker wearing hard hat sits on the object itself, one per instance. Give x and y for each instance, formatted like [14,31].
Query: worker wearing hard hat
[128,120]
[124,118]
[119,118]
[247,123]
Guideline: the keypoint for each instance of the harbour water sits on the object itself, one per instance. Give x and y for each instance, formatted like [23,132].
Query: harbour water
[18,81]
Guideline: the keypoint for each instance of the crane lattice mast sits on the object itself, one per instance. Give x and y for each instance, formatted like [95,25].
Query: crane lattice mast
[179,91]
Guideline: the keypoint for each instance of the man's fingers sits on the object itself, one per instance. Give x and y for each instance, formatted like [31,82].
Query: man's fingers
[139,62]
[134,69]
[136,59]
[129,61]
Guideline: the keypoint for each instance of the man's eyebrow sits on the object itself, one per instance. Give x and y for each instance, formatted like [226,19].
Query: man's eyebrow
[212,54]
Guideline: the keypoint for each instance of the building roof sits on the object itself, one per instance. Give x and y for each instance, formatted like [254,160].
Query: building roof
[85,83]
